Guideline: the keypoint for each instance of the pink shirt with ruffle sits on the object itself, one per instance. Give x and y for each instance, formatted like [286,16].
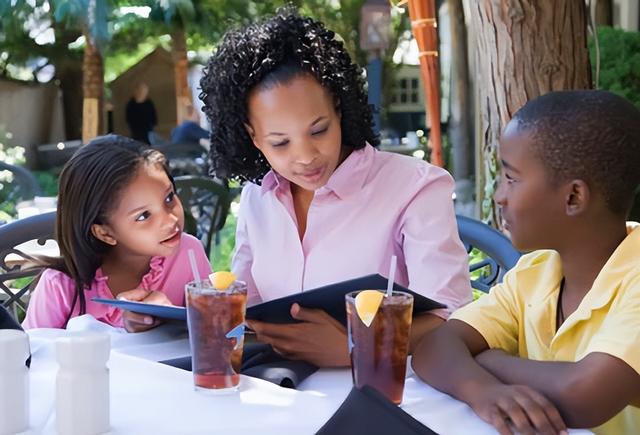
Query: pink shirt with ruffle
[52,298]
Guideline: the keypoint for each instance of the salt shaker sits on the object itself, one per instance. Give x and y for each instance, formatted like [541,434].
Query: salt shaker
[14,382]
[82,384]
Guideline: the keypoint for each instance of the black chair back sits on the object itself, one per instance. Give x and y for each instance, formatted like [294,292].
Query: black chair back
[19,186]
[497,254]
[206,204]
[13,284]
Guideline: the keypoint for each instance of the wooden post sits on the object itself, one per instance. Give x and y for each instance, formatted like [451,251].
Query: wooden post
[424,24]
[461,108]
[181,69]
[92,89]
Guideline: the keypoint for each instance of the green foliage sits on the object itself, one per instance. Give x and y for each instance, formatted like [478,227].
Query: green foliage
[619,71]
[14,156]
[222,252]
[619,62]
[491,169]
[121,60]
[476,256]
[177,12]
[48,181]
[77,14]
[131,37]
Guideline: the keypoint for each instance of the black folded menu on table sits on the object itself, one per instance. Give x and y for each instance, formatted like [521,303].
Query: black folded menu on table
[366,411]
[259,360]
[329,298]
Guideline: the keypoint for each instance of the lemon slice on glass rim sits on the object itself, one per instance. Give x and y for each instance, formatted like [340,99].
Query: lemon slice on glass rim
[367,304]
[222,280]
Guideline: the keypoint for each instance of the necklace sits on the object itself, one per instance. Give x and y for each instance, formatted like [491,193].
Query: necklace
[560,311]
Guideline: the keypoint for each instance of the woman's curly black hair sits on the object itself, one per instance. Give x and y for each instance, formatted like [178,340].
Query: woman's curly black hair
[251,56]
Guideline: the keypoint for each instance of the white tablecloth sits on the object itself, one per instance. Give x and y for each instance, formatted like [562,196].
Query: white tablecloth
[152,398]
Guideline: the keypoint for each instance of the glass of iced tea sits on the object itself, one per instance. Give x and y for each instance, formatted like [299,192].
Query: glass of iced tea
[379,350]
[216,323]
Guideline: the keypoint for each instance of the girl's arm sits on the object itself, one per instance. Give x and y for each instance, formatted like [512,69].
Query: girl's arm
[50,301]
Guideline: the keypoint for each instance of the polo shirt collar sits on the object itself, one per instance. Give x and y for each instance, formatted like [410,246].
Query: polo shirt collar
[606,284]
[544,277]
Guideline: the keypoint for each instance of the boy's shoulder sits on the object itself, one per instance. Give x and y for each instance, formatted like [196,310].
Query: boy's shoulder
[535,275]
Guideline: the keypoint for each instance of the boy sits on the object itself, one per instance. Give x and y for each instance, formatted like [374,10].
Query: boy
[556,344]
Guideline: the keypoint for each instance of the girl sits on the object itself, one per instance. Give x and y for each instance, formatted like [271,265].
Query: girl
[119,227]
[322,204]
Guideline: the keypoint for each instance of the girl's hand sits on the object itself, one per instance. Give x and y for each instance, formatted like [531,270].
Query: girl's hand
[320,339]
[135,322]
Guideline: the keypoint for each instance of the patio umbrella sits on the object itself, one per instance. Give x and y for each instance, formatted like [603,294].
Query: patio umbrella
[423,24]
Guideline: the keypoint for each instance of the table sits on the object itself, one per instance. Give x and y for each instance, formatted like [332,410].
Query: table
[152,398]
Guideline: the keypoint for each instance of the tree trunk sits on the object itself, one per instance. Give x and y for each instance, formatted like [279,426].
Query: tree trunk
[525,48]
[68,68]
[69,73]
[92,89]
[604,13]
[460,111]
[181,69]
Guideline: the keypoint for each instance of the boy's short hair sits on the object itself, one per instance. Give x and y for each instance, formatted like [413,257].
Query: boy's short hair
[589,135]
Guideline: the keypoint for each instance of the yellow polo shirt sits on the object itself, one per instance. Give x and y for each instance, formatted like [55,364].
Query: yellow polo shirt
[519,316]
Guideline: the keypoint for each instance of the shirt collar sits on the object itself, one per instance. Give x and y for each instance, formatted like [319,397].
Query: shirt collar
[623,259]
[348,178]
[545,275]
[271,181]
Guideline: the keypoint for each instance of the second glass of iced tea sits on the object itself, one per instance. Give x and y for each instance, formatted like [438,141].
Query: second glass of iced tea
[215,318]
[379,351]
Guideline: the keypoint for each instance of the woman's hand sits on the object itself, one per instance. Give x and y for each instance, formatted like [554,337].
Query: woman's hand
[319,339]
[136,322]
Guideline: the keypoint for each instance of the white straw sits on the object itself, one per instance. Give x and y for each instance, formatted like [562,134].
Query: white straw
[194,267]
[392,275]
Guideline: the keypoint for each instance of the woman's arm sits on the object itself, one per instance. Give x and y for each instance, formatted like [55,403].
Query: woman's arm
[242,259]
[436,261]
[318,339]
